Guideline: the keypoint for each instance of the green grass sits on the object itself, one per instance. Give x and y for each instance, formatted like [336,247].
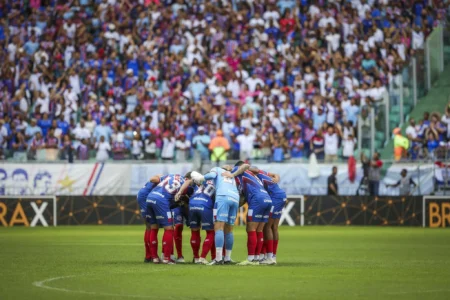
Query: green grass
[313,263]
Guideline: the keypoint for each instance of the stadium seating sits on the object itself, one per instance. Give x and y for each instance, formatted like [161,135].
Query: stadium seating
[155,72]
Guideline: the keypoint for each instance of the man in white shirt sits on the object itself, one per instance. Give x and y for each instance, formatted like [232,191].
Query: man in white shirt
[44,103]
[331,145]
[253,81]
[168,149]
[348,146]
[327,19]
[246,141]
[81,132]
[183,147]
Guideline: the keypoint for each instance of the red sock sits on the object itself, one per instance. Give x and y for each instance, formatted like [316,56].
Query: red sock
[207,243]
[275,246]
[269,246]
[213,248]
[195,242]
[178,235]
[147,244]
[251,242]
[264,248]
[168,243]
[259,242]
[153,240]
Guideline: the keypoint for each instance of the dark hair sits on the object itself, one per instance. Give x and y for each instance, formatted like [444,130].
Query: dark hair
[239,163]
[188,175]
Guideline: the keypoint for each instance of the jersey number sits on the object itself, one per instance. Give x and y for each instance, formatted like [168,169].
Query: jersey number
[171,187]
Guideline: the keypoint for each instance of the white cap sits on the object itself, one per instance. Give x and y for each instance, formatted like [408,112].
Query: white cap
[271,107]
[258,61]
[111,26]
[130,71]
[201,128]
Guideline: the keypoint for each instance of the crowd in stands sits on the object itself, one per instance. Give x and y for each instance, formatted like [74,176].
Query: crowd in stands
[153,79]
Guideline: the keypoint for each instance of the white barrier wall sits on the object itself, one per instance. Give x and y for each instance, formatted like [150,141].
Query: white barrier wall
[127,179]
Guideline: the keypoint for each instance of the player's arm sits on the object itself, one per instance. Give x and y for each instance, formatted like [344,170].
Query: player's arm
[199,178]
[156,179]
[242,168]
[187,183]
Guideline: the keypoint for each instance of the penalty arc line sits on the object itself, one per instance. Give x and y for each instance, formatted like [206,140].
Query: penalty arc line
[419,292]
[43,284]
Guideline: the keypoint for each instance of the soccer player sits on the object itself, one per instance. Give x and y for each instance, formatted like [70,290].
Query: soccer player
[159,202]
[270,181]
[259,207]
[179,215]
[142,201]
[226,207]
[201,205]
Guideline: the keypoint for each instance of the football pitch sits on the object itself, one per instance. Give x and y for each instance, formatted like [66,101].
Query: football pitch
[106,262]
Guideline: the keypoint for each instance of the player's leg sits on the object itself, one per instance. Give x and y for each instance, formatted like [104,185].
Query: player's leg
[153,236]
[164,218]
[268,238]
[259,239]
[207,225]
[220,217]
[233,207]
[266,213]
[142,202]
[278,209]
[195,223]
[178,232]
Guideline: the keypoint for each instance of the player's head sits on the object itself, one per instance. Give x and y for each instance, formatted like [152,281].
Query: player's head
[239,163]
[404,172]
[188,175]
[227,167]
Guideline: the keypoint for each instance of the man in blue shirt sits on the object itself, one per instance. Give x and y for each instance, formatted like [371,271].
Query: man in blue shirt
[102,130]
[31,130]
[201,143]
[63,125]
[197,88]
[45,124]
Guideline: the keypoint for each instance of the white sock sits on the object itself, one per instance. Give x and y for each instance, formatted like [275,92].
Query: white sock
[227,255]
[269,255]
[219,253]
[250,257]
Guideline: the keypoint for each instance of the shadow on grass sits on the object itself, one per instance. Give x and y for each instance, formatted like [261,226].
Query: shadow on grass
[189,264]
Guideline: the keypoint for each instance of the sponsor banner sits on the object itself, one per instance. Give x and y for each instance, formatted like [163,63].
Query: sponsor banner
[363,210]
[27,211]
[295,180]
[65,179]
[90,210]
[422,176]
[141,173]
[437,211]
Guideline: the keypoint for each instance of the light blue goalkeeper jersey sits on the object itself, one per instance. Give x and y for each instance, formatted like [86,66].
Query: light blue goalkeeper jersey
[224,186]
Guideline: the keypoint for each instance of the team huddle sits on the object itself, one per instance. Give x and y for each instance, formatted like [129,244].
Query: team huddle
[211,202]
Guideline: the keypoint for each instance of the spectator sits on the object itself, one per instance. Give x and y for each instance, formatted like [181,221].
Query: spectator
[317,144]
[297,145]
[201,143]
[83,150]
[401,144]
[37,143]
[67,149]
[168,149]
[150,147]
[119,149]
[348,147]
[375,174]
[219,147]
[51,142]
[332,183]
[331,145]
[136,147]
[32,130]
[103,147]
[404,183]
[245,141]
[183,147]
[102,130]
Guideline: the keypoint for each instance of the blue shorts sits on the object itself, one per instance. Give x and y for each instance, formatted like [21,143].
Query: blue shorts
[158,211]
[259,208]
[200,216]
[142,202]
[225,209]
[277,207]
[179,214]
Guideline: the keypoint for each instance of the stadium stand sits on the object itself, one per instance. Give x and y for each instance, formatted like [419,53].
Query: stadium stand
[160,79]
